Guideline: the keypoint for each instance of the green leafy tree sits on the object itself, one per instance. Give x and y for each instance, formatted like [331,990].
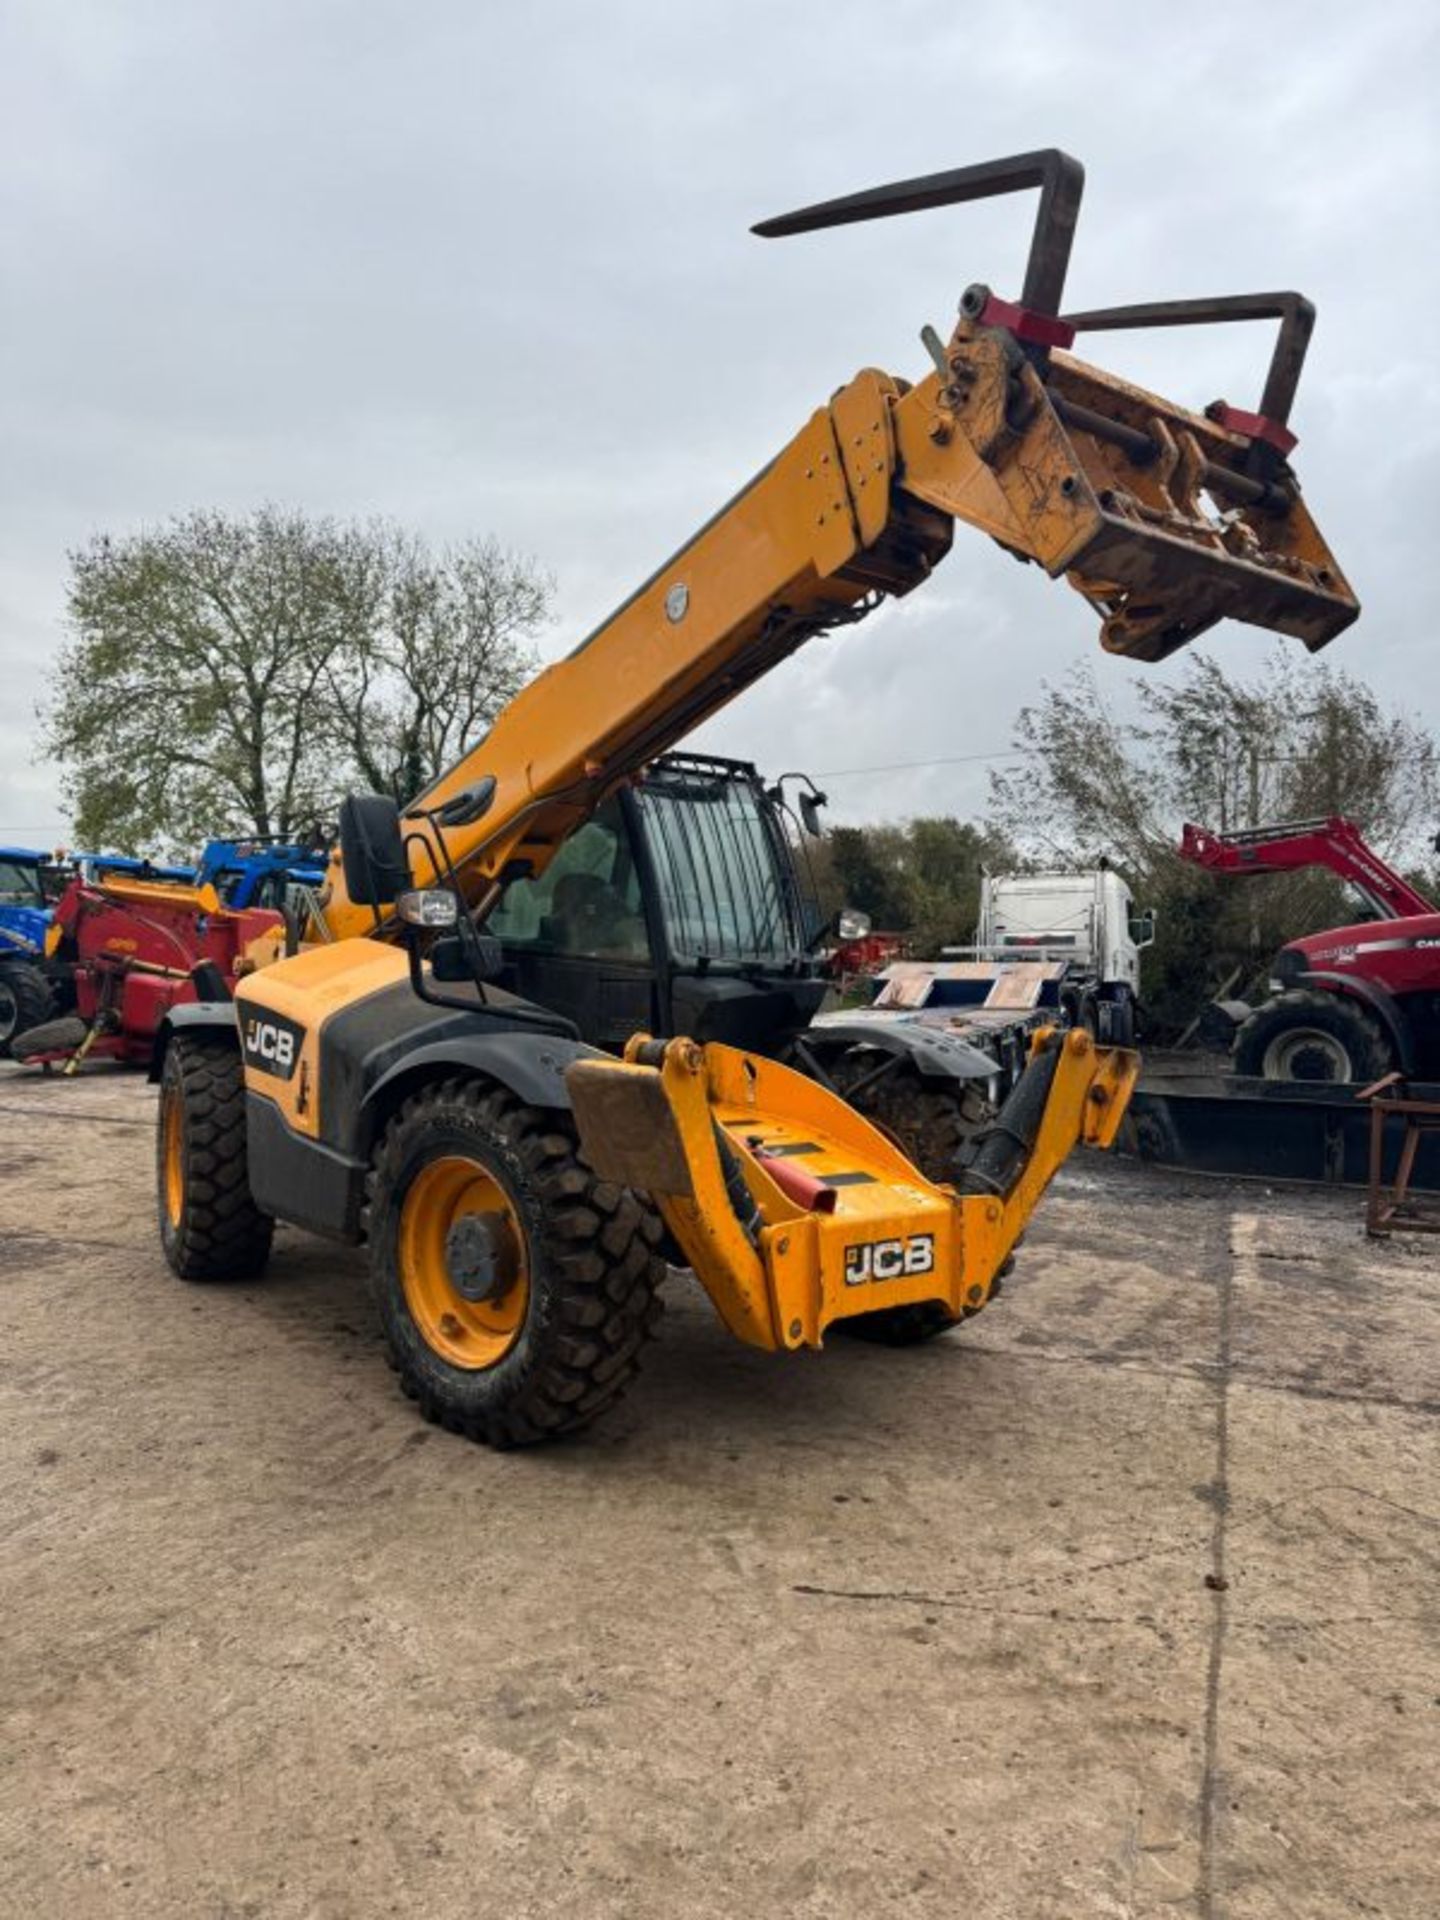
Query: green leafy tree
[241,672]
[921,878]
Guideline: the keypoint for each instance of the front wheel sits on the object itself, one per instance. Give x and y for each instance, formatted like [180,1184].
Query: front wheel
[515,1288]
[932,1125]
[210,1227]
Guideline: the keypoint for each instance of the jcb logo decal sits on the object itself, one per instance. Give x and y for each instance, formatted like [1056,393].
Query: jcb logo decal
[889,1259]
[272,1045]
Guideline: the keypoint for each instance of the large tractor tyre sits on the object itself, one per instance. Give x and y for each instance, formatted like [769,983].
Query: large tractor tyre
[516,1289]
[52,1036]
[1312,1036]
[210,1227]
[931,1125]
[26,1001]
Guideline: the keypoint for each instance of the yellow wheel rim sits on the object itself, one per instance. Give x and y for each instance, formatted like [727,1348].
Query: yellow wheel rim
[173,1137]
[471,1334]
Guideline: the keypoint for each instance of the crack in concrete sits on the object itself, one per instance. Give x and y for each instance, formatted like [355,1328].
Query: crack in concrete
[907,1597]
[79,1113]
[1244,1228]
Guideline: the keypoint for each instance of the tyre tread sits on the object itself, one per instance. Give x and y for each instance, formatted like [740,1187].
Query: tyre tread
[223,1235]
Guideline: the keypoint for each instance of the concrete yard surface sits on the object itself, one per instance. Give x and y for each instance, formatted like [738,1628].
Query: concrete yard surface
[1120,1602]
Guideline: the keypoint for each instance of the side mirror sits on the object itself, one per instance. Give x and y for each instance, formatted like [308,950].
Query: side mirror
[810,805]
[851,925]
[372,850]
[1142,929]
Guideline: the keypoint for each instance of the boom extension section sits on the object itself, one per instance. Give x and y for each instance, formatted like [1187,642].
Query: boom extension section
[1167,520]
[1290,845]
[795,1212]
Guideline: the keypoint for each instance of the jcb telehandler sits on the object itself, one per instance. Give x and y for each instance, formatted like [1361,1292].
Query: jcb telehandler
[514,1186]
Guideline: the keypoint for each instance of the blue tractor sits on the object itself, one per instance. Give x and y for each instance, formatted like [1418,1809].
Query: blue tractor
[30,883]
[261,873]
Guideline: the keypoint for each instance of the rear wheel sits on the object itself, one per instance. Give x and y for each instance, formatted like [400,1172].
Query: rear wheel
[26,1001]
[210,1227]
[515,1288]
[1315,1037]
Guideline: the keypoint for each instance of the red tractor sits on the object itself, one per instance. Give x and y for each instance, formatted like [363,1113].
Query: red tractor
[132,950]
[1351,1003]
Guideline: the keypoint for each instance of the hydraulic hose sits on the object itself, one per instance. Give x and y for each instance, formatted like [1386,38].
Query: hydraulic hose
[995,1159]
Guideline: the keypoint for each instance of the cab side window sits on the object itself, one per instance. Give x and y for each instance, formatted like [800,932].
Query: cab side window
[586,904]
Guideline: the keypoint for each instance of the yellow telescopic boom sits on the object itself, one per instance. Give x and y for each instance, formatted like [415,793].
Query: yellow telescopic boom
[1165,519]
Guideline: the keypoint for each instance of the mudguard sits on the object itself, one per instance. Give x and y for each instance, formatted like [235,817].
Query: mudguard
[935,1054]
[531,1065]
[218,1016]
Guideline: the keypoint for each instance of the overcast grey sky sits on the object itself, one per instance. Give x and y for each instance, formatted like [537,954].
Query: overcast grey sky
[486,269]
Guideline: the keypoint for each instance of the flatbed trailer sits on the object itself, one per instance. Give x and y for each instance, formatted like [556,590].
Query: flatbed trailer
[992,1006]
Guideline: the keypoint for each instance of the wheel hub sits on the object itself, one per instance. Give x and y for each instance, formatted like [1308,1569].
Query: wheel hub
[475,1261]
[1307,1053]
[463,1265]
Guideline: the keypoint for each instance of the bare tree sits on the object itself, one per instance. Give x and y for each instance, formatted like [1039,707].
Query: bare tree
[449,646]
[1298,738]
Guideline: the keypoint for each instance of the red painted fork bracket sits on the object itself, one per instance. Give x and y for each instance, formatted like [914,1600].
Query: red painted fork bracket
[798,1185]
[1036,329]
[1255,426]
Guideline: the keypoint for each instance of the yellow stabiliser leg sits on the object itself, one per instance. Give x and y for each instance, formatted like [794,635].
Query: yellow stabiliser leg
[711,1134]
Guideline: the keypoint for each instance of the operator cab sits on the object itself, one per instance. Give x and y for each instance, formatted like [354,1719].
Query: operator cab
[679,908]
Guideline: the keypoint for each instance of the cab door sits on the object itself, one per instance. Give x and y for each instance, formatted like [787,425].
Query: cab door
[577,940]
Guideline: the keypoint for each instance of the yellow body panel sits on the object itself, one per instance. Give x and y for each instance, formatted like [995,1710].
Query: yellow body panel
[308,989]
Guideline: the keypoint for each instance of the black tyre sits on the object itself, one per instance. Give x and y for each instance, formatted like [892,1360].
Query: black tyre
[515,1288]
[53,1036]
[210,1227]
[908,1326]
[26,1001]
[931,1125]
[1311,1036]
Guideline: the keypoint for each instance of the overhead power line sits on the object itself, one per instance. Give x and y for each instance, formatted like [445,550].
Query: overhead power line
[910,766]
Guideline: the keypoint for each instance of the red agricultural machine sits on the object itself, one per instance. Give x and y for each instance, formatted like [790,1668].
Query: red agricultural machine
[1350,1003]
[133,949]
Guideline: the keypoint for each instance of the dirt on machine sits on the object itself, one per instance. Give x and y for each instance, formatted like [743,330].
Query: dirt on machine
[519,1189]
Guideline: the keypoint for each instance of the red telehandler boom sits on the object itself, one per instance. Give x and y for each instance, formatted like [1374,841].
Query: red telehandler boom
[1350,1003]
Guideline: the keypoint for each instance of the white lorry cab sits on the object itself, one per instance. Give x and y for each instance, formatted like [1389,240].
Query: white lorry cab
[1086,920]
